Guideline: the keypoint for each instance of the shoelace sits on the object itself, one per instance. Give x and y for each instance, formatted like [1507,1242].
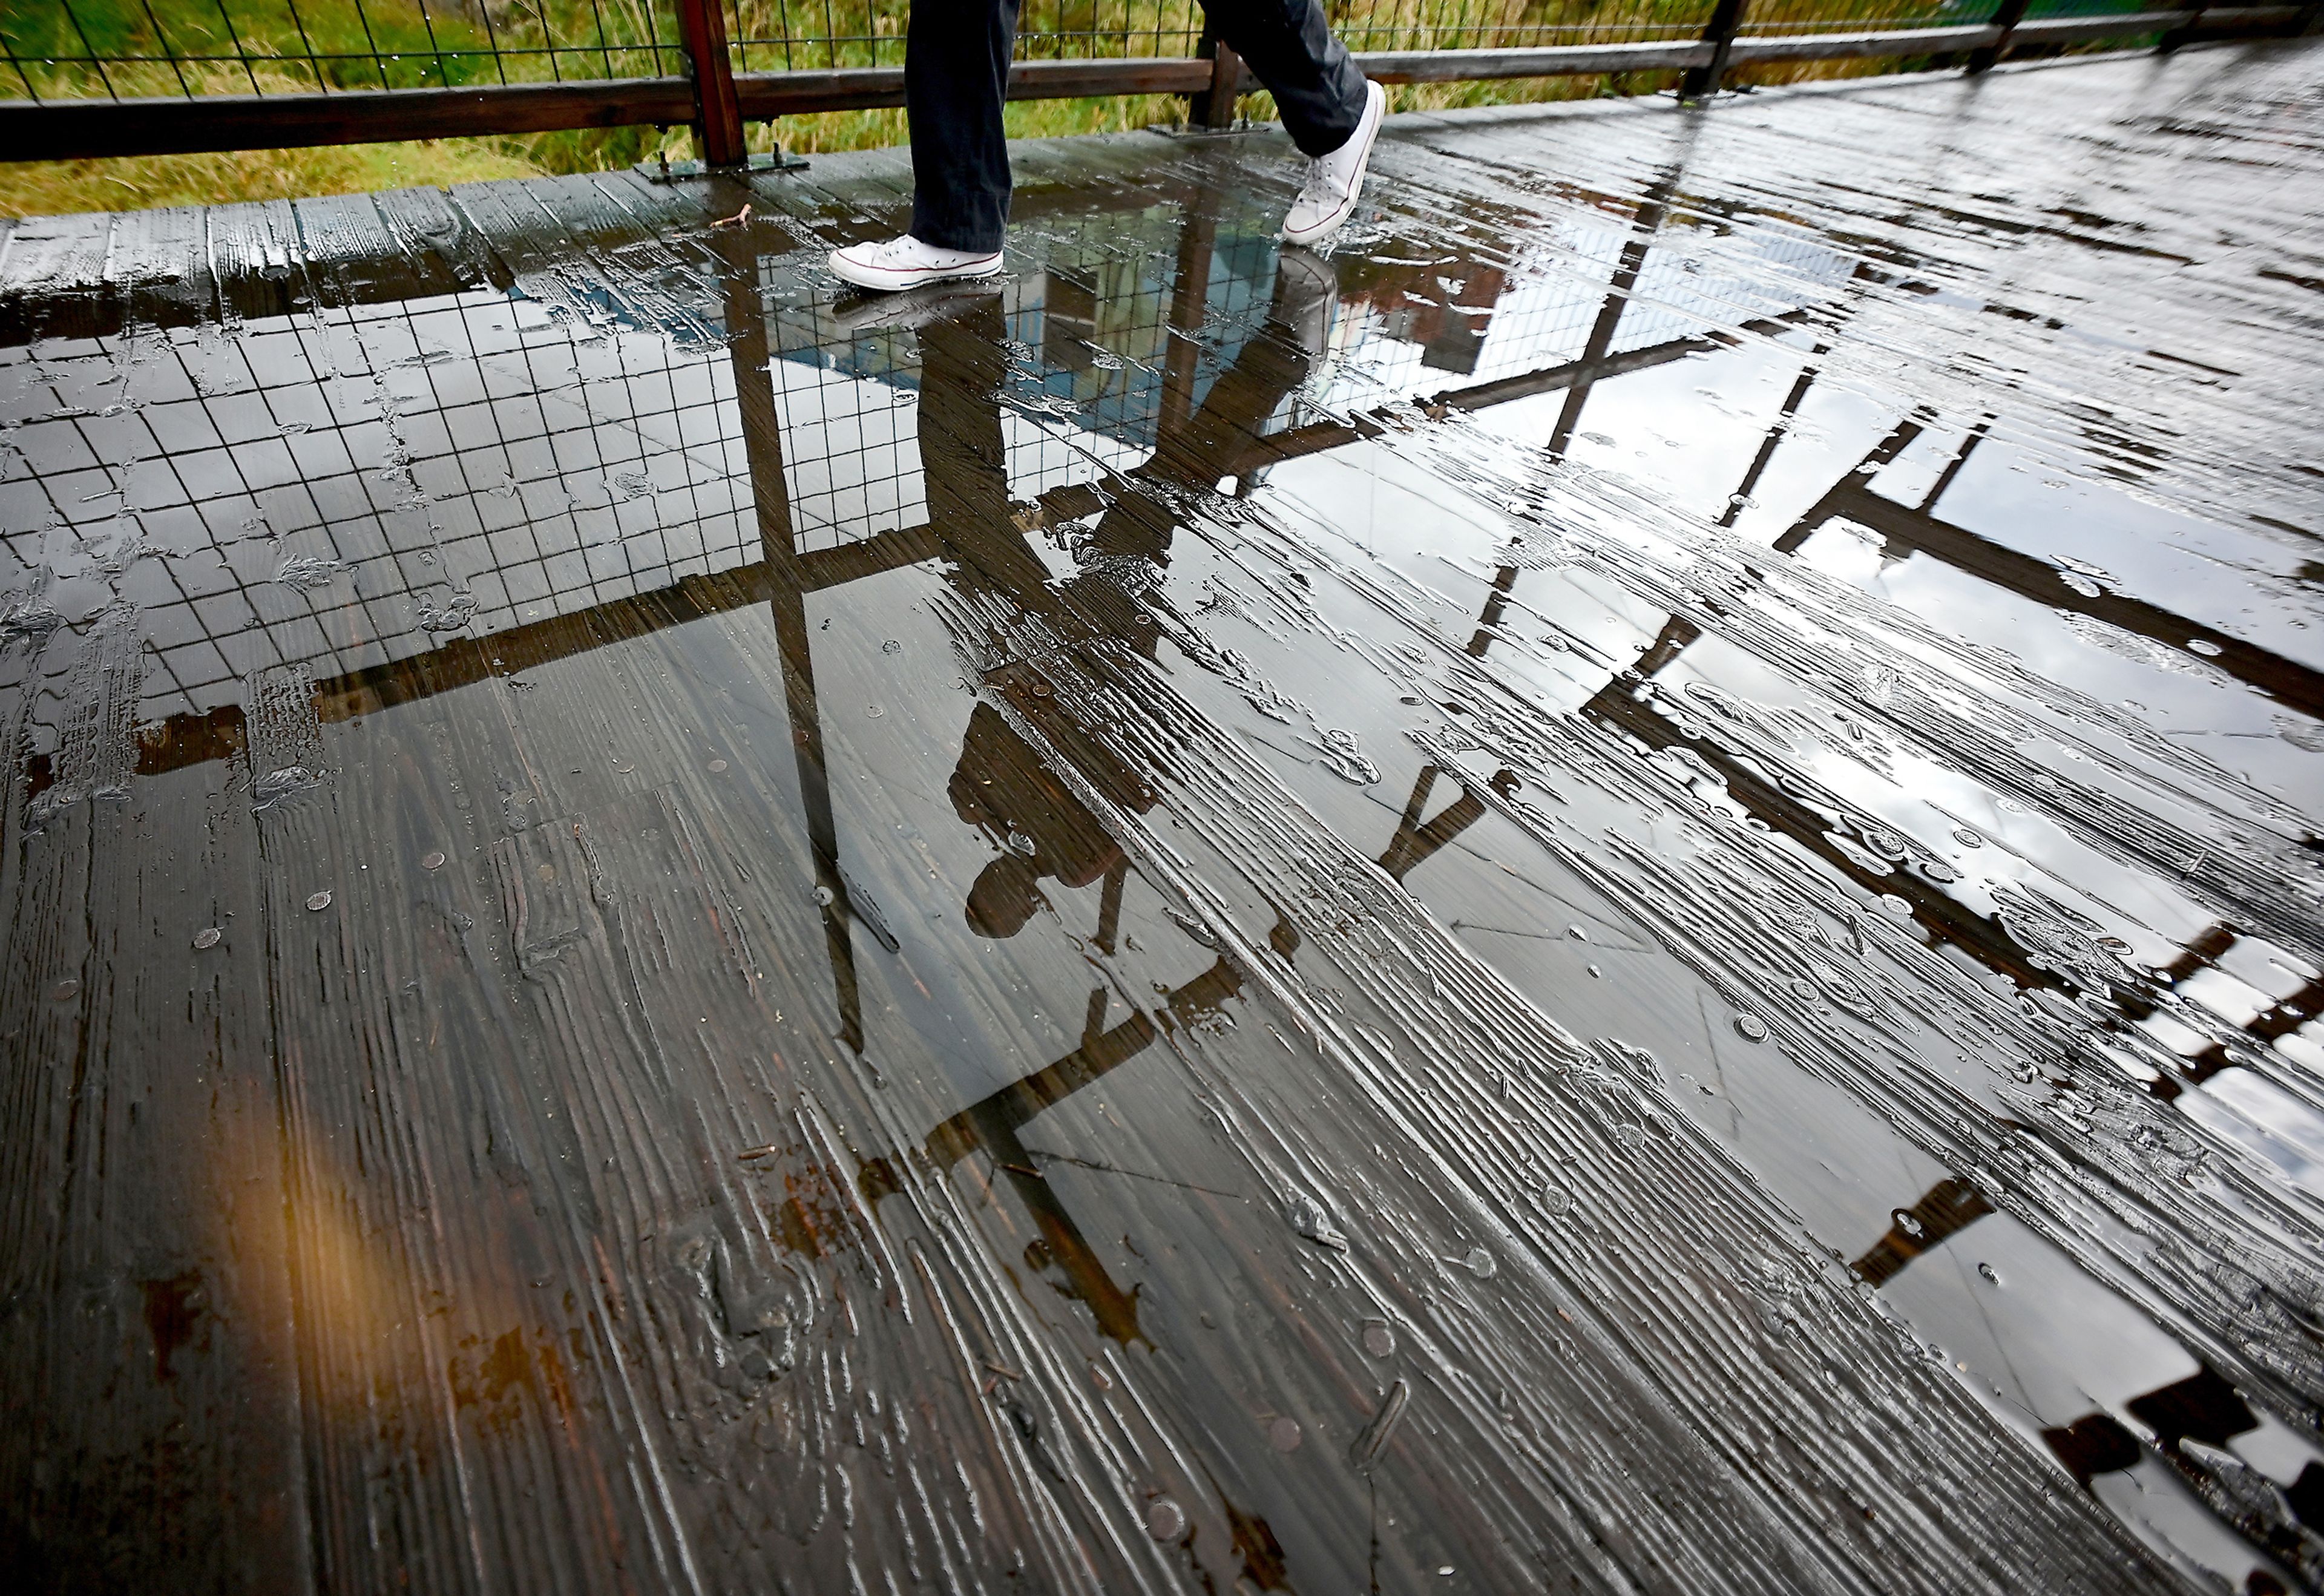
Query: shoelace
[1317,186]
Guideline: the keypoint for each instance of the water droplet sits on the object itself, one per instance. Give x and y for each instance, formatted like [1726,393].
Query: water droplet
[874,711]
[1480,1263]
[1750,1028]
[66,989]
[1632,1137]
[717,766]
[2203,646]
[321,900]
[1578,932]
[431,860]
[1311,1220]
[1992,1276]
[1165,1520]
[1556,1202]
[824,896]
[1902,908]
[1018,843]
[1379,1341]
[1283,1434]
[891,646]
[208,937]
[1968,838]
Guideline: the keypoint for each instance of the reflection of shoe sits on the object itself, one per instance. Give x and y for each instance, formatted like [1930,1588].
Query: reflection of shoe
[1333,181]
[910,311]
[906,262]
[1306,293]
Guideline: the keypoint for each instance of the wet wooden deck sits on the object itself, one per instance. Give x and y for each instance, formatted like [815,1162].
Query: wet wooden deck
[1618,892]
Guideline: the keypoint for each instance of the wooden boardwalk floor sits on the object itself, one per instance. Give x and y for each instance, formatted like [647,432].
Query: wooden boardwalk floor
[1616,892]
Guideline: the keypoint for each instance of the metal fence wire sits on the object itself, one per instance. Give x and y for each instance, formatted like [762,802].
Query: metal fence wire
[135,49]
[487,64]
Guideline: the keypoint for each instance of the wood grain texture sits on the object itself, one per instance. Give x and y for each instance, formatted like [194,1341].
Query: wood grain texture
[1460,915]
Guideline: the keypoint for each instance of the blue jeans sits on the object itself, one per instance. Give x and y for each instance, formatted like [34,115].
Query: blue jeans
[956,66]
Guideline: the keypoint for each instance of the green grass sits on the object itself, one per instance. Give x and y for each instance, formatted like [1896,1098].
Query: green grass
[74,47]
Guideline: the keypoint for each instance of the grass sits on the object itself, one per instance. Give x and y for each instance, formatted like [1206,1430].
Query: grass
[70,48]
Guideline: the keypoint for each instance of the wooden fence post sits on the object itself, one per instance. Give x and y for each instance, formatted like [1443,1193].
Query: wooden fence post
[2007,18]
[1702,82]
[718,124]
[1215,105]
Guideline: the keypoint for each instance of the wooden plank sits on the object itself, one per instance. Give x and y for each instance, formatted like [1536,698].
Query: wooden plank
[78,130]
[143,1212]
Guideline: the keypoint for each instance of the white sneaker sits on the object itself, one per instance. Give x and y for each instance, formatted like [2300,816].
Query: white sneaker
[906,262]
[1333,181]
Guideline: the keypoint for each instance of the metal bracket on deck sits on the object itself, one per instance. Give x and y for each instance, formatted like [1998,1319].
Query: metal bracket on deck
[666,171]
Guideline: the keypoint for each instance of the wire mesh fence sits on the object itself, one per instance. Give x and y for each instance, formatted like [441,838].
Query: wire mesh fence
[296,71]
[136,49]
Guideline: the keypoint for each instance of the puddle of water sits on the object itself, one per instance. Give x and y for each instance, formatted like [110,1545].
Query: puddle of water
[1620,884]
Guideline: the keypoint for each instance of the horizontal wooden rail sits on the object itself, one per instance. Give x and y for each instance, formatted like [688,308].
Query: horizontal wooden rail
[764,95]
[1561,60]
[76,129]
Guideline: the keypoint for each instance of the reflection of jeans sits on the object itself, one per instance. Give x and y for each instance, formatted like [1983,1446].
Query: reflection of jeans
[999,784]
[1191,459]
[957,68]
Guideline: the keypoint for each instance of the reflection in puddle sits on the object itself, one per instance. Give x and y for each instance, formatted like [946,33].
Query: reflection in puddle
[1607,889]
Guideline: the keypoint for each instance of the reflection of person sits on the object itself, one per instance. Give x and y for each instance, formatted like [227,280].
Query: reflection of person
[1000,785]
[957,57]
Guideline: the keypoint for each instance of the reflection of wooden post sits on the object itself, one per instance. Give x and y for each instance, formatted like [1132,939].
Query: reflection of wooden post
[1702,82]
[1643,227]
[762,443]
[718,125]
[1190,293]
[1949,1207]
[1776,435]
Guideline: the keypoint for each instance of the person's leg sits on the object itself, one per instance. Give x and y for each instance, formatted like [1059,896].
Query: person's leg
[1290,48]
[955,71]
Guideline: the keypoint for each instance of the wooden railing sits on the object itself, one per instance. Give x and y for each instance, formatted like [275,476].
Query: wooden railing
[717,100]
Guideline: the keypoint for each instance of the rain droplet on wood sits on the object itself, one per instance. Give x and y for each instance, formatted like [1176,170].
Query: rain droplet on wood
[431,860]
[321,900]
[208,936]
[1165,1520]
[1750,1028]
[1366,1450]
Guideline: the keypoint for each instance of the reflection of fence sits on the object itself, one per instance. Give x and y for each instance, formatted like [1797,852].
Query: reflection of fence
[127,77]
